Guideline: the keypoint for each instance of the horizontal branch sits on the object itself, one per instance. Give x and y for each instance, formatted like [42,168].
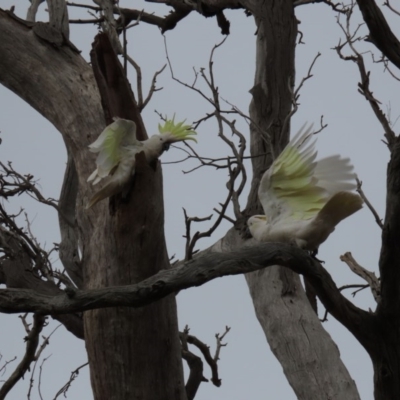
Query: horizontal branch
[196,272]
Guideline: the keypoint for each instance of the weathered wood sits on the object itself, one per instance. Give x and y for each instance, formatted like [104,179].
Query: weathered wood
[68,249]
[61,87]
[58,16]
[211,264]
[314,371]
[128,347]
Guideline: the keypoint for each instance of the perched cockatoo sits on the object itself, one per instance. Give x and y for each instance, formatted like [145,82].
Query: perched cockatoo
[117,147]
[304,199]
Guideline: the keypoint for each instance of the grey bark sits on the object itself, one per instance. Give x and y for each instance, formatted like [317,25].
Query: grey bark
[58,16]
[124,360]
[209,265]
[33,9]
[68,250]
[314,371]
[82,118]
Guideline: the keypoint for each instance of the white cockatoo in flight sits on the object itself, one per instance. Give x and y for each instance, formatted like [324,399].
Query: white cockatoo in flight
[304,199]
[117,147]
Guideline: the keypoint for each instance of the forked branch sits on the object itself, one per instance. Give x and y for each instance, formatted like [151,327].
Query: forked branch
[368,276]
[32,342]
[364,85]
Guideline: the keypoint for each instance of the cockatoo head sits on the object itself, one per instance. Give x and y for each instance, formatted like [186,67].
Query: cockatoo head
[256,225]
[171,132]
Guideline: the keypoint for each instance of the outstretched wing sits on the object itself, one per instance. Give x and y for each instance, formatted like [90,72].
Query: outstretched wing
[109,145]
[297,186]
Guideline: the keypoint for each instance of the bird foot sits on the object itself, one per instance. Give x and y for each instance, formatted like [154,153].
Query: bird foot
[313,254]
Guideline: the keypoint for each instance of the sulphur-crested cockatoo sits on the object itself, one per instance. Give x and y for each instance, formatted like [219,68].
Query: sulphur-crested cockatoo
[304,199]
[117,147]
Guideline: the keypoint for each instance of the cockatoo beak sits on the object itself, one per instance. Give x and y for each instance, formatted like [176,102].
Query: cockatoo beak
[166,146]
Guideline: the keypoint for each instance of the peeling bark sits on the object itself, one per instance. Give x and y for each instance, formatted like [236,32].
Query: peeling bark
[68,250]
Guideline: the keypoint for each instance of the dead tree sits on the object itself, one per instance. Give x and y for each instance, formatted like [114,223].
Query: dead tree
[123,278]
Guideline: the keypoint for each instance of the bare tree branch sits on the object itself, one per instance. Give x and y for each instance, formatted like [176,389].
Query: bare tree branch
[74,375]
[33,9]
[32,342]
[202,269]
[387,4]
[195,365]
[24,184]
[339,7]
[368,276]
[364,85]
[296,94]
[58,16]
[368,203]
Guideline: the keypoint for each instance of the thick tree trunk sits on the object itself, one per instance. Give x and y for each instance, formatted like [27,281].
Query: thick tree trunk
[134,354]
[309,357]
[385,350]
[385,357]
[141,345]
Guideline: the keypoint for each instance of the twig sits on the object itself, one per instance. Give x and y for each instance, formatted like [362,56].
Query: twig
[40,376]
[3,369]
[334,6]
[367,202]
[188,221]
[87,21]
[205,350]
[368,276]
[32,341]
[388,5]
[220,338]
[94,8]
[296,94]
[22,184]
[344,287]
[236,167]
[364,85]
[138,78]
[46,342]
[232,221]
[152,89]
[74,375]
[25,323]
[192,87]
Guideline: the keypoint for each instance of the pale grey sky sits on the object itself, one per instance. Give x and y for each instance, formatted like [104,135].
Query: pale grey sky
[247,367]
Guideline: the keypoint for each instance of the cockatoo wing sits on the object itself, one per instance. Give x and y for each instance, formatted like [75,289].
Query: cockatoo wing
[109,145]
[340,206]
[297,186]
[115,182]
